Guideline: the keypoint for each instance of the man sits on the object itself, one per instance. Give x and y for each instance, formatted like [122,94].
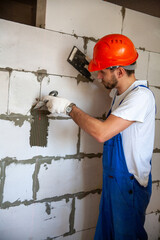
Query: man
[128,136]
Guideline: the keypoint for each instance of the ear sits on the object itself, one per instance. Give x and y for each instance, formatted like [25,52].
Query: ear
[120,72]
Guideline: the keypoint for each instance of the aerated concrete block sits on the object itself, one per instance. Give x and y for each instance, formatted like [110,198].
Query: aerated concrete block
[41,220]
[142,65]
[15,140]
[34,49]
[89,145]
[95,13]
[153,69]
[134,27]
[4,83]
[155,167]
[152,226]
[62,139]
[18,182]
[154,205]
[24,89]
[70,176]
[156,92]
[157,135]
[87,211]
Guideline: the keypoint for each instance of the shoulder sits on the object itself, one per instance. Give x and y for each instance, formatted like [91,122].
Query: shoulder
[141,95]
[137,105]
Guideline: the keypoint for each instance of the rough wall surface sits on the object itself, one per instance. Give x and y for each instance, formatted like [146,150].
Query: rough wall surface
[53,192]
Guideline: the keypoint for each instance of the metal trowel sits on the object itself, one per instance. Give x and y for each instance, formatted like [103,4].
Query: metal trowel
[80,62]
[41,105]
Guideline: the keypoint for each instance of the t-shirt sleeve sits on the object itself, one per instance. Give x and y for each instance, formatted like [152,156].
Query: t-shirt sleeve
[136,105]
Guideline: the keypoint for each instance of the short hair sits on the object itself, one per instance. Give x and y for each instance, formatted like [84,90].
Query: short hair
[130,72]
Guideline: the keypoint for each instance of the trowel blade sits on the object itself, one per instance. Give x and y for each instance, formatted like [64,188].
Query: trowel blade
[39,104]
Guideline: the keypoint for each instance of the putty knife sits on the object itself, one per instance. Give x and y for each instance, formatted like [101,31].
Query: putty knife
[79,61]
[41,105]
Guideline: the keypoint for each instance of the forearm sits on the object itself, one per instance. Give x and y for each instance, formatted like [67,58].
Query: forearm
[101,131]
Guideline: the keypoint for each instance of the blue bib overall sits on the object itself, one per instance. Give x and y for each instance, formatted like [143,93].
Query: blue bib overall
[124,200]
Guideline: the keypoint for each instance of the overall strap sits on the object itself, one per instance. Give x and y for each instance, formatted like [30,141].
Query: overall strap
[131,91]
[141,85]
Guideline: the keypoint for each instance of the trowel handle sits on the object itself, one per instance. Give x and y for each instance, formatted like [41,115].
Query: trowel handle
[53,93]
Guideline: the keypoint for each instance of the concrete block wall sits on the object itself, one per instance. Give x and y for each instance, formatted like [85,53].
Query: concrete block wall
[53,192]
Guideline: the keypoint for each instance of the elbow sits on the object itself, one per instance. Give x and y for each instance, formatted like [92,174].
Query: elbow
[100,138]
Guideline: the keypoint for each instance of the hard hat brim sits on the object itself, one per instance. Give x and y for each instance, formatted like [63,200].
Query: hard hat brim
[92,67]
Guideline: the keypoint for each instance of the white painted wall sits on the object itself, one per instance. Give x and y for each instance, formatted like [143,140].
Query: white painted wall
[53,192]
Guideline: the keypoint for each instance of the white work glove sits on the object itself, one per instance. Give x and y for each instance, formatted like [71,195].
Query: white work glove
[56,104]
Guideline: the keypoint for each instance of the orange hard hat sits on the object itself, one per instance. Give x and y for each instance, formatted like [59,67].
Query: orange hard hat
[113,50]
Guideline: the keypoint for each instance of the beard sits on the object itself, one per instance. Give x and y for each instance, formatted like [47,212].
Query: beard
[112,84]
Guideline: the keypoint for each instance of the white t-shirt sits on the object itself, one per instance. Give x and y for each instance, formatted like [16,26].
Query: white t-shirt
[138,139]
